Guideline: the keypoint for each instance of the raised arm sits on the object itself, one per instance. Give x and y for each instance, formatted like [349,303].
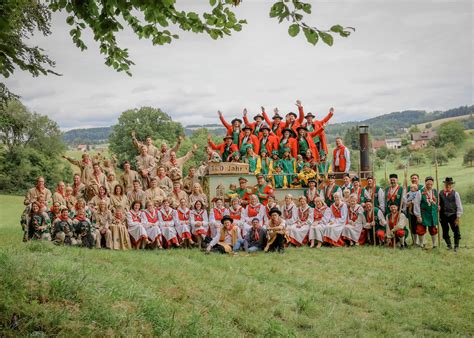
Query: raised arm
[211,144]
[300,111]
[137,144]
[265,117]
[246,120]
[72,161]
[178,144]
[328,116]
[223,121]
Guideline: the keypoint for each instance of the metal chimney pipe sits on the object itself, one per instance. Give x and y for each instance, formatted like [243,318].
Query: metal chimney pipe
[364,151]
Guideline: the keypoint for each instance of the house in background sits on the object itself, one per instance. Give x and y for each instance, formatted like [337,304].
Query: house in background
[81,147]
[421,139]
[393,143]
[377,144]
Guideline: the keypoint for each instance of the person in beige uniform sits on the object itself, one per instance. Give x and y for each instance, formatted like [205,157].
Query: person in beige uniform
[190,180]
[136,194]
[78,188]
[146,166]
[97,179]
[85,166]
[177,194]
[152,150]
[177,163]
[129,175]
[154,193]
[164,153]
[111,182]
[59,194]
[39,190]
[101,219]
[163,181]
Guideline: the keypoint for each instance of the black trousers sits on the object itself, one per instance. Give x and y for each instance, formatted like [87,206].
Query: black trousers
[278,244]
[446,222]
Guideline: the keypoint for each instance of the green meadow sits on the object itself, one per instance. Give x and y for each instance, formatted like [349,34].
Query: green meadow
[362,291]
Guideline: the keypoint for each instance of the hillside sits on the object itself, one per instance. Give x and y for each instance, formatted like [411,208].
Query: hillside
[386,125]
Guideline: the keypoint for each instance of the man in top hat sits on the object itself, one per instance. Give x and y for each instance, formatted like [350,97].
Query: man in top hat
[225,149]
[257,125]
[374,193]
[425,208]
[268,141]
[305,142]
[227,239]
[450,212]
[276,124]
[246,139]
[341,161]
[262,189]
[331,189]
[233,129]
[394,194]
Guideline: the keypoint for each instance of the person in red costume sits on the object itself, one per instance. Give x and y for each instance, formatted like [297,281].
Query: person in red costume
[293,121]
[267,140]
[317,126]
[276,126]
[225,149]
[234,129]
[288,141]
[257,125]
[341,157]
[305,142]
[247,138]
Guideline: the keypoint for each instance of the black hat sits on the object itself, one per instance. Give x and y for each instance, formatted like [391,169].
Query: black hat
[347,175]
[277,116]
[448,180]
[393,176]
[368,200]
[225,218]
[290,130]
[355,179]
[228,136]
[246,127]
[291,113]
[236,120]
[258,115]
[370,177]
[274,210]
[429,178]
[312,180]
[309,115]
[331,175]
[301,127]
[264,127]
[390,203]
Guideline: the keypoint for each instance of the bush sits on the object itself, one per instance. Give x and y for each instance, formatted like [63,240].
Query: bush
[468,197]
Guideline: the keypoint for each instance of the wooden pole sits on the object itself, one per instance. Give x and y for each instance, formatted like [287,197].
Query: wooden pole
[437,197]
[373,209]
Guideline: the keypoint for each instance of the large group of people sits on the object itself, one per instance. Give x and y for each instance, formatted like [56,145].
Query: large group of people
[153,206]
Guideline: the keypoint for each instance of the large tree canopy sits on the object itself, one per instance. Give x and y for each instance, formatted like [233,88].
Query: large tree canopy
[159,21]
[30,146]
[146,121]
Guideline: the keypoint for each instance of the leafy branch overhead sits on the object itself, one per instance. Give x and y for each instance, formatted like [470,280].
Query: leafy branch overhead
[157,21]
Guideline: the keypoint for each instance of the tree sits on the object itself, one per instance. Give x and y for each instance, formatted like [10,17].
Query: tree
[441,157]
[417,158]
[156,21]
[382,153]
[146,121]
[414,129]
[30,146]
[451,150]
[469,157]
[351,138]
[452,131]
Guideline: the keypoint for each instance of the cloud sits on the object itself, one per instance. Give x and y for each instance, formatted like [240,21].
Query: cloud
[415,55]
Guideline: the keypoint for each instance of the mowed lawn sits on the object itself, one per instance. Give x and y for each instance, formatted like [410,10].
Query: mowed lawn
[367,291]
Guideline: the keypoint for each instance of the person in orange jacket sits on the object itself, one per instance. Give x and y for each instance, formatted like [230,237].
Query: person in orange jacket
[225,149]
[257,125]
[276,126]
[288,141]
[305,142]
[247,138]
[234,129]
[293,121]
[313,125]
[268,141]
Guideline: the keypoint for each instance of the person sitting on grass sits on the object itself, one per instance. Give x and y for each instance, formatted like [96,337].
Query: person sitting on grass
[183,227]
[298,232]
[256,238]
[151,222]
[397,229]
[61,230]
[199,223]
[118,227]
[337,221]
[227,239]
[355,220]
[83,230]
[101,219]
[136,229]
[276,232]
[321,217]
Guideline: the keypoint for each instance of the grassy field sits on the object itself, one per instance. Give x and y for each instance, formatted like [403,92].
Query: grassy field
[305,292]
[437,123]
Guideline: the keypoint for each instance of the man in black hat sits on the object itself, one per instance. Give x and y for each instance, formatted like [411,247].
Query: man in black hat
[257,125]
[233,129]
[331,189]
[305,142]
[425,208]
[394,194]
[225,149]
[268,141]
[276,125]
[246,139]
[450,212]
[243,191]
[227,239]
[276,232]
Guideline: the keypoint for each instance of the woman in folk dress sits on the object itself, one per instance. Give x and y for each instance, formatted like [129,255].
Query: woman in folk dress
[215,216]
[198,195]
[235,212]
[151,222]
[118,227]
[168,220]
[272,203]
[322,215]
[136,228]
[355,221]
[337,221]
[253,210]
[183,227]
[199,222]
[298,232]
[289,211]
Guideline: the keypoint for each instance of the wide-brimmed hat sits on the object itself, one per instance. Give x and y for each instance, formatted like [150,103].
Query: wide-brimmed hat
[429,178]
[448,180]
[265,127]
[277,116]
[236,120]
[246,127]
[309,115]
[292,132]
[228,136]
[291,113]
[274,210]
[301,127]
[227,218]
[258,115]
[393,176]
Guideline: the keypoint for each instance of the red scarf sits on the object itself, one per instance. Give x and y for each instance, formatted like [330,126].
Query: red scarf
[392,194]
[393,222]
[151,216]
[253,210]
[287,213]
[336,210]
[183,215]
[319,213]
[256,235]
[235,214]
[167,215]
[353,215]
[430,198]
[198,215]
[303,215]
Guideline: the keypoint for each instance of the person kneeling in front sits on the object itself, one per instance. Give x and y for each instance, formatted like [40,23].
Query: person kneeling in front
[256,238]
[228,239]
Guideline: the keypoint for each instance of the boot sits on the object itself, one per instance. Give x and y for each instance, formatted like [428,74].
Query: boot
[199,241]
[433,241]
[422,240]
[416,241]
[448,243]
[402,242]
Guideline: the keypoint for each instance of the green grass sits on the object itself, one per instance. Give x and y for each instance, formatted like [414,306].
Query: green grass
[305,292]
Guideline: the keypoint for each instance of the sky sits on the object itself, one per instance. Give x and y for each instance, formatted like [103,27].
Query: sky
[404,55]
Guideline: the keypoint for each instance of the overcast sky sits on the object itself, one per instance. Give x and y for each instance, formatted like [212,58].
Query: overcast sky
[414,54]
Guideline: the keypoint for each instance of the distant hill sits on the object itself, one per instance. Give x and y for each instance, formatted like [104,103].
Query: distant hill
[387,125]
[87,136]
